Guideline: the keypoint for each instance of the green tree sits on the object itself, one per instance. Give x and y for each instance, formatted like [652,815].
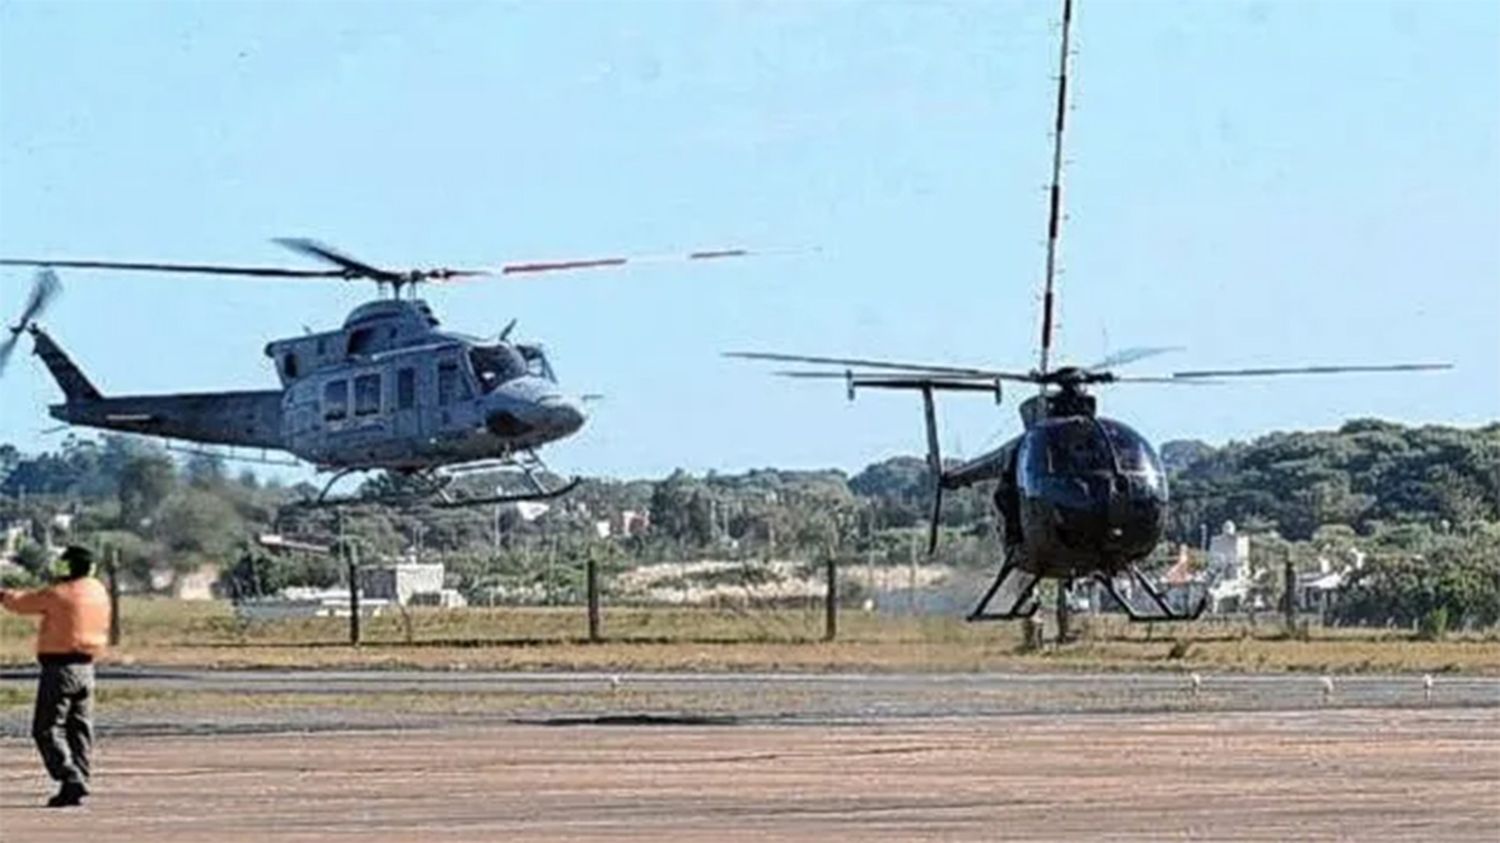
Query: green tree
[196,526]
[145,481]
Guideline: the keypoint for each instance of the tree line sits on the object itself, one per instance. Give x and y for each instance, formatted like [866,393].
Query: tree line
[1422,504]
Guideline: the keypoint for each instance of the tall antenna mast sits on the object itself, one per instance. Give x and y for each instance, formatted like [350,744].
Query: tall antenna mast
[1054,220]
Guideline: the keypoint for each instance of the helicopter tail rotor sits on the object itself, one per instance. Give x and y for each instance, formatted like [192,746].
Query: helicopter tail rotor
[43,291]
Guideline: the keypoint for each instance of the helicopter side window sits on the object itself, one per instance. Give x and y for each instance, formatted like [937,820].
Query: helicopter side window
[335,400]
[367,395]
[406,389]
[289,366]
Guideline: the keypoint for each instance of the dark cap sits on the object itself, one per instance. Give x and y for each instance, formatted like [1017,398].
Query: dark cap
[80,560]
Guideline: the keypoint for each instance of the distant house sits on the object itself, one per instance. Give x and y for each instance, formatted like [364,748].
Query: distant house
[197,584]
[11,536]
[1317,591]
[632,523]
[1229,570]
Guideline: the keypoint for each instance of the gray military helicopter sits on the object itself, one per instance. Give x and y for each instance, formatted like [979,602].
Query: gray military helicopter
[389,390]
[1078,495]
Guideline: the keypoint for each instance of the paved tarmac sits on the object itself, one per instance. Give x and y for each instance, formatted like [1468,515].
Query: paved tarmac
[396,756]
[764,697]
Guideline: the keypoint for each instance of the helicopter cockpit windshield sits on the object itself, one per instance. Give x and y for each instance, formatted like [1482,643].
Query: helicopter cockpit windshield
[1080,446]
[496,364]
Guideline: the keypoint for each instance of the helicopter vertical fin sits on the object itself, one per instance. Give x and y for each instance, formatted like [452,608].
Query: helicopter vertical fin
[75,386]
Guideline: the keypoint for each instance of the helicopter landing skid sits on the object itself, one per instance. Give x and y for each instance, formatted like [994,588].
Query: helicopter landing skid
[1018,587]
[532,470]
[1158,608]
[417,488]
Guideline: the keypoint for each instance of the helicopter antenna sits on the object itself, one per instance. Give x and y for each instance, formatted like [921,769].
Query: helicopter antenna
[1054,220]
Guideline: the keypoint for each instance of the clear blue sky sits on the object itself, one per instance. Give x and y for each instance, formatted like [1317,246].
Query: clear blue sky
[1263,183]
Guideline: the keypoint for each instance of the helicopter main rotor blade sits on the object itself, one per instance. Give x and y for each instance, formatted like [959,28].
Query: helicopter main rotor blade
[910,368]
[1130,355]
[574,264]
[1303,370]
[315,249]
[350,268]
[196,268]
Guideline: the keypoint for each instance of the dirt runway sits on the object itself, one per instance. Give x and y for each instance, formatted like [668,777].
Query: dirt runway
[1341,773]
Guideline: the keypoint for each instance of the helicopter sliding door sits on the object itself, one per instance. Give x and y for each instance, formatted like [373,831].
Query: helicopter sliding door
[456,414]
[405,412]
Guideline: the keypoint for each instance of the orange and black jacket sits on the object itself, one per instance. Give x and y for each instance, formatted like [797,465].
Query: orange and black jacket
[75,619]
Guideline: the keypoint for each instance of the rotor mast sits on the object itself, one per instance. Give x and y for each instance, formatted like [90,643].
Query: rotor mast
[1054,218]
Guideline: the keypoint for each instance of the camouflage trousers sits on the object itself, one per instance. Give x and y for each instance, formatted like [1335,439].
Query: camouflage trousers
[63,723]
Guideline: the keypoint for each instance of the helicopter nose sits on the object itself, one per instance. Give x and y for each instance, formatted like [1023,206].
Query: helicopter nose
[563,416]
[552,417]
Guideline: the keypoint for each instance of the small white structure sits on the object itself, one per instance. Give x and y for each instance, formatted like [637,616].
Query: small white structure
[448,598]
[306,603]
[401,582]
[197,584]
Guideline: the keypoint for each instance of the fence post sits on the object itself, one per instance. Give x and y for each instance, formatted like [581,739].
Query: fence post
[1063,633]
[112,566]
[592,569]
[1289,595]
[831,600]
[351,557]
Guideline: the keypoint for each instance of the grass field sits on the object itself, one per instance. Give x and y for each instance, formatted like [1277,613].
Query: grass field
[172,633]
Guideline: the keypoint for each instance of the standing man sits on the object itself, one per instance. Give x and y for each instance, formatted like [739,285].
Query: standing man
[74,632]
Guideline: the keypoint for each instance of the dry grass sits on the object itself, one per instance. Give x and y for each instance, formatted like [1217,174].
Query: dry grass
[170,633]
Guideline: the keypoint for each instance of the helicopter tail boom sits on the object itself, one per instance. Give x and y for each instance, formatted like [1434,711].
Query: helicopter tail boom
[250,419]
[245,418]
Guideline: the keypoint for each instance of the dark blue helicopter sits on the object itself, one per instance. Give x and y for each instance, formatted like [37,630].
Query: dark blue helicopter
[389,390]
[1078,495]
